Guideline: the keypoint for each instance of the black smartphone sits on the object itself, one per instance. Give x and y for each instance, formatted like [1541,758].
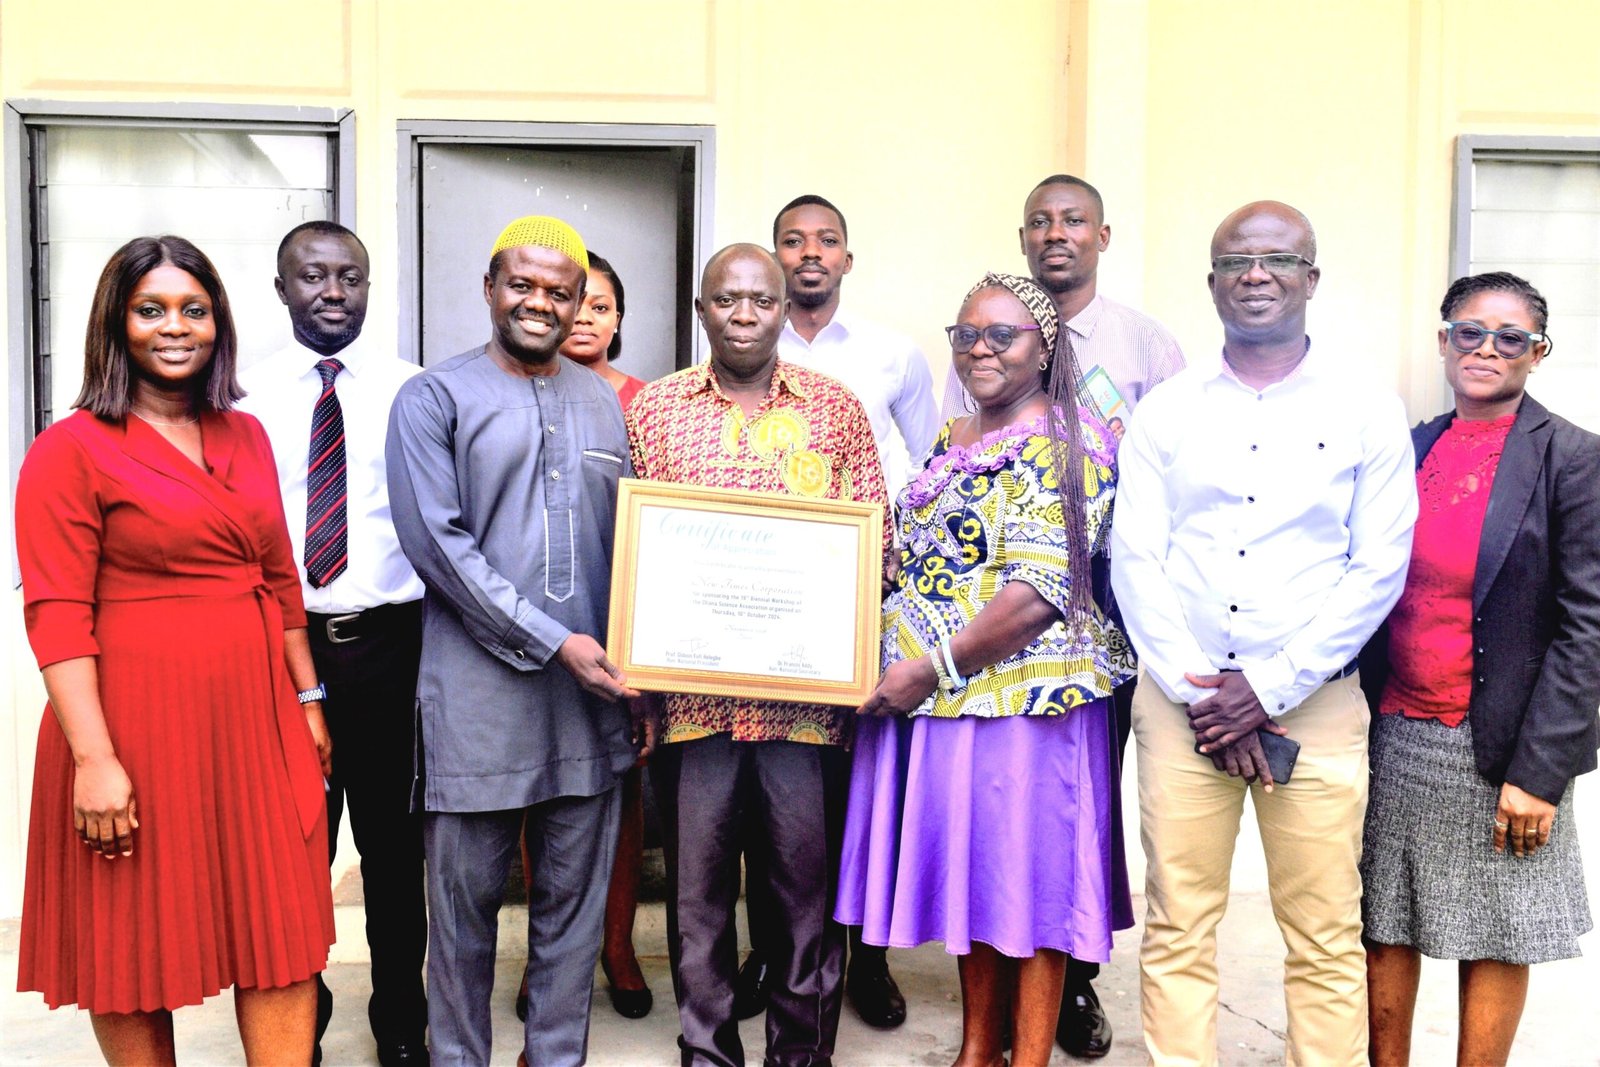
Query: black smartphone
[1281,753]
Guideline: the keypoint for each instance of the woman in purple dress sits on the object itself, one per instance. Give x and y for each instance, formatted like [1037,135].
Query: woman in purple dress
[981,793]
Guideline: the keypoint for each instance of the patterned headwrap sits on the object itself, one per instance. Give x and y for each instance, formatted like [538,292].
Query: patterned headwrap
[542,231]
[1038,302]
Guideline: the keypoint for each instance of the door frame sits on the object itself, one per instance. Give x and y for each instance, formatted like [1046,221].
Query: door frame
[415,134]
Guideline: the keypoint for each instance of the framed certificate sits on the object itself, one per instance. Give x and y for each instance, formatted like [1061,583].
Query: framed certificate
[734,593]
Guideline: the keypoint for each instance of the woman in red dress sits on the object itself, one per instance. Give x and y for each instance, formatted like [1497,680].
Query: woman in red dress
[177,843]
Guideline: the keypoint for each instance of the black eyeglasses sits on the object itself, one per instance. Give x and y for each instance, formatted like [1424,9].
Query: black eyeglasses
[998,336]
[1277,264]
[1509,343]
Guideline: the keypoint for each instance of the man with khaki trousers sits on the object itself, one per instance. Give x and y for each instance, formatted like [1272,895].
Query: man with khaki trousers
[1263,528]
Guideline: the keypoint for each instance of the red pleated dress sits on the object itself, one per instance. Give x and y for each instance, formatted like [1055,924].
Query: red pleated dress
[181,582]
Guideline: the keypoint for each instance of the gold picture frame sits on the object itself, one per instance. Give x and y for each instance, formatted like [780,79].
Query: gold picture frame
[726,592]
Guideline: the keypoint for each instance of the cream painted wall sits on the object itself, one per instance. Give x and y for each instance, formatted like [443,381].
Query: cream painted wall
[927,122]
[1350,112]
[905,115]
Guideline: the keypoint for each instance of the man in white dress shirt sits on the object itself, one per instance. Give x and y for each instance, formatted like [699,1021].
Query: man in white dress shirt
[364,611]
[1124,354]
[1263,530]
[883,368]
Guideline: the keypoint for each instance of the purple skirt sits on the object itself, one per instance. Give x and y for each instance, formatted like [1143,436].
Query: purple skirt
[1005,831]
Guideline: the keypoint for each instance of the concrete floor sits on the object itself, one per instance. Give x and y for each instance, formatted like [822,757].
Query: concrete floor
[1561,1027]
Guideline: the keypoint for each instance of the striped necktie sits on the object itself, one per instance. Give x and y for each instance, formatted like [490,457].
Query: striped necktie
[327,524]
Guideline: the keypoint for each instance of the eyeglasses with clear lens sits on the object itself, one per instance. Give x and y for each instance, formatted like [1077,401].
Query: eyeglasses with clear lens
[1277,264]
[1509,343]
[998,336]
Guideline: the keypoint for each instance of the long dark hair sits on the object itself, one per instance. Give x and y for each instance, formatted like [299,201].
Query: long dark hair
[107,382]
[600,263]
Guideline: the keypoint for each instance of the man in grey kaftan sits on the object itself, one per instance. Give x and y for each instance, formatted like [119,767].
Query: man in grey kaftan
[503,467]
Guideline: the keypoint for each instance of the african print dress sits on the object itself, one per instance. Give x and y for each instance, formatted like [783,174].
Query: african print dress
[987,814]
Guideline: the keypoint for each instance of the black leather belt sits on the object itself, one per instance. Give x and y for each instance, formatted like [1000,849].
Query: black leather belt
[1346,671]
[354,625]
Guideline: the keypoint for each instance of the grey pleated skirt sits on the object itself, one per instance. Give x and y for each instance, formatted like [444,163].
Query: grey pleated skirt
[1430,875]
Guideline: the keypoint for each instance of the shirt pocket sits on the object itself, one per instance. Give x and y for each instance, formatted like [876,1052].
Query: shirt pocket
[602,469]
[602,456]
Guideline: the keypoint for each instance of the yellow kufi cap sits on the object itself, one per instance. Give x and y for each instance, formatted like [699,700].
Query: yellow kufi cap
[543,231]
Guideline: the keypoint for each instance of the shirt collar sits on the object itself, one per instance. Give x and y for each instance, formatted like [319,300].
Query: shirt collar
[1305,368]
[838,326]
[1083,322]
[353,356]
[783,377]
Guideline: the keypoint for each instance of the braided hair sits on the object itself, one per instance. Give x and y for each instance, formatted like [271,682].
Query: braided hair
[1463,289]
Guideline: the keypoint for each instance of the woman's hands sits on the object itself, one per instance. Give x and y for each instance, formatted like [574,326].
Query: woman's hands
[321,736]
[906,684]
[103,809]
[1524,819]
[303,672]
[1006,625]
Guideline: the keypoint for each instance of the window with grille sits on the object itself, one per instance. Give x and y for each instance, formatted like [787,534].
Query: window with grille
[1532,206]
[91,179]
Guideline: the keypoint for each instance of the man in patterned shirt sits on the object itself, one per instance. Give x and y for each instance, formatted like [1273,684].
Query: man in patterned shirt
[748,420]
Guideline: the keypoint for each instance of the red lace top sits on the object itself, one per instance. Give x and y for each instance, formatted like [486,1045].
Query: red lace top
[1430,630]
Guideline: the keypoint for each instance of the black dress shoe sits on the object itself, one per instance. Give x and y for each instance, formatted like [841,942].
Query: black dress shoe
[874,994]
[1083,1029]
[750,988]
[632,1003]
[404,1054]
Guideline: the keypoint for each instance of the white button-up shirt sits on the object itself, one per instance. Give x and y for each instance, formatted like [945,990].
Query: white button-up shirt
[1263,530]
[1134,349]
[283,391]
[886,372]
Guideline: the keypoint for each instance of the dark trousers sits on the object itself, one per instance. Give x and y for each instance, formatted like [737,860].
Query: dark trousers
[786,801]
[758,910]
[1082,972]
[371,713]
[571,842]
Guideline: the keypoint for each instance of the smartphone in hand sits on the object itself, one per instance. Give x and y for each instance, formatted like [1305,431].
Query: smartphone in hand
[1281,752]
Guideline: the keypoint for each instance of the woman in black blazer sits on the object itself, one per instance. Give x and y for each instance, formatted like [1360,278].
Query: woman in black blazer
[1484,686]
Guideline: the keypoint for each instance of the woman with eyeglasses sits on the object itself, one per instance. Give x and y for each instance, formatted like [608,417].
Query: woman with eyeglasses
[980,803]
[1484,684]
